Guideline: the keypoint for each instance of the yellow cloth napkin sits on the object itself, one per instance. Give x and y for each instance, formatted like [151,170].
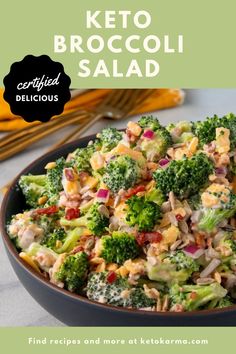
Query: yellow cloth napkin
[160,99]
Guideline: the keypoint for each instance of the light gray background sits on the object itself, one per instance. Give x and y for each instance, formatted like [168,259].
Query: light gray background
[17,307]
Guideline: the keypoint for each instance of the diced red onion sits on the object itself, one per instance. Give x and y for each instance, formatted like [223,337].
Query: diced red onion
[69,174]
[148,134]
[193,251]
[210,147]
[221,171]
[210,268]
[163,162]
[103,195]
[191,248]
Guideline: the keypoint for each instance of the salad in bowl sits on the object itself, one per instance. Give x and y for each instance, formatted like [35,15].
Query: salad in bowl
[142,218]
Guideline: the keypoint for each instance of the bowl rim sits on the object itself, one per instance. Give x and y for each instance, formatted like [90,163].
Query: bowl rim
[76,297]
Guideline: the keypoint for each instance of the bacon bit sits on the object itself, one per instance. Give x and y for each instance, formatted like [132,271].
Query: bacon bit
[77,249]
[110,202]
[148,176]
[72,213]
[132,191]
[128,133]
[69,174]
[148,237]
[91,256]
[193,295]
[179,217]
[47,211]
[111,277]
[200,240]
[234,184]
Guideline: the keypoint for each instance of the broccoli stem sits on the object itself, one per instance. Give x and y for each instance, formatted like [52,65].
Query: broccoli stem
[213,217]
[78,222]
[71,239]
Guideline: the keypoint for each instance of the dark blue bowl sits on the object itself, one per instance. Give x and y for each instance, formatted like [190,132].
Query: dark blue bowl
[73,309]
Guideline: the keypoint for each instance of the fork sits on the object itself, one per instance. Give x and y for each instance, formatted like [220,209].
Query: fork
[117,105]
[11,145]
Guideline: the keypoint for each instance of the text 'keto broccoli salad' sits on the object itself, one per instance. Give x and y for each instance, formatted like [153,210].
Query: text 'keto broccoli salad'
[143,219]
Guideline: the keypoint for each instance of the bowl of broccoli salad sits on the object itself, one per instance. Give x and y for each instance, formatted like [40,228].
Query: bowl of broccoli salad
[138,219]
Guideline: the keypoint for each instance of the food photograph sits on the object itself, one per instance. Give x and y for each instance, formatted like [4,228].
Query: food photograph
[120,211]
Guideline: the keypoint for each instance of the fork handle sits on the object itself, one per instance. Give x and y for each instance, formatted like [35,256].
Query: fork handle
[78,131]
[13,148]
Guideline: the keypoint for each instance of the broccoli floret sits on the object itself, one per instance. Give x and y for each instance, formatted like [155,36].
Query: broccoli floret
[155,195]
[119,247]
[185,137]
[184,177]
[45,253]
[149,122]
[33,187]
[206,130]
[25,221]
[47,222]
[50,184]
[194,297]
[231,244]
[70,240]
[168,273]
[122,172]
[182,261]
[224,302]
[73,271]
[227,243]
[101,289]
[232,167]
[51,239]
[15,241]
[180,132]
[219,304]
[138,299]
[160,286]
[183,127]
[54,178]
[194,201]
[212,217]
[94,220]
[109,138]
[142,213]
[156,147]
[81,158]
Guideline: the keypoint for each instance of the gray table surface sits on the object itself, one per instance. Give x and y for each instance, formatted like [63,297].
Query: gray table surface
[17,307]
